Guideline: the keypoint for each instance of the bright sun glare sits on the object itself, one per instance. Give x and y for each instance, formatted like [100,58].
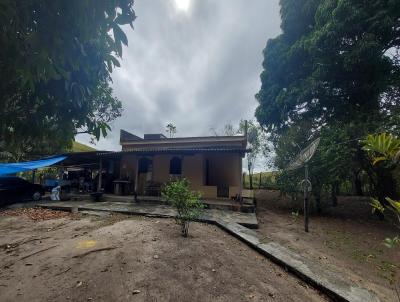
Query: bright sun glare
[182,4]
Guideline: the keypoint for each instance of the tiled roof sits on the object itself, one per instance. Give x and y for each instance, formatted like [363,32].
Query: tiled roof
[155,150]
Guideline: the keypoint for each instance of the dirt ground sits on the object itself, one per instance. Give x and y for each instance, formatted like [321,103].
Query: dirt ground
[347,238]
[121,258]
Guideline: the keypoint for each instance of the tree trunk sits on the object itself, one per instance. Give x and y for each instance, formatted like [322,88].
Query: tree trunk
[357,184]
[334,194]
[318,202]
[250,175]
[185,228]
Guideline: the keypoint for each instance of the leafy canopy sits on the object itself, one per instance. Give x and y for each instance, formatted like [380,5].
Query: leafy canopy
[335,60]
[334,72]
[56,59]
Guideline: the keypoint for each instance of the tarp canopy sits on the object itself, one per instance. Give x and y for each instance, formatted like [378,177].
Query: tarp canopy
[11,168]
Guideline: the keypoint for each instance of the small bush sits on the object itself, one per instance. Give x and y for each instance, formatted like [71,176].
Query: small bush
[185,201]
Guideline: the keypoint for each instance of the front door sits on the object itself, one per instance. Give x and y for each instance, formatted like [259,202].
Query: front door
[145,174]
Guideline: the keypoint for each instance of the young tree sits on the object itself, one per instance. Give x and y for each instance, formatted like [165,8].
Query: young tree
[185,202]
[171,129]
[56,60]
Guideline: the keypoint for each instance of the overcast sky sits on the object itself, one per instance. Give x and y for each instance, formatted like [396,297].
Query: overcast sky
[195,63]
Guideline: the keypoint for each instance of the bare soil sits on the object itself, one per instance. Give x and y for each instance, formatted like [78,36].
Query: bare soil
[121,258]
[347,238]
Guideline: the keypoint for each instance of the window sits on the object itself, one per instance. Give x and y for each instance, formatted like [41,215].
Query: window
[175,166]
[145,165]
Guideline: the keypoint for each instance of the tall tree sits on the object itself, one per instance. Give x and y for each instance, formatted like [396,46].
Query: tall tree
[171,130]
[334,67]
[55,64]
[334,60]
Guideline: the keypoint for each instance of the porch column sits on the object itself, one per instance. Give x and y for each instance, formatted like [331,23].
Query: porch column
[241,177]
[136,174]
[100,175]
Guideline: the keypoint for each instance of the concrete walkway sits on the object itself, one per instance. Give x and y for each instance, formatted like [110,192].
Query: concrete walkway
[209,215]
[334,284]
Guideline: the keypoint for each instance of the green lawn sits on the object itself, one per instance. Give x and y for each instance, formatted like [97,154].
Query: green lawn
[79,147]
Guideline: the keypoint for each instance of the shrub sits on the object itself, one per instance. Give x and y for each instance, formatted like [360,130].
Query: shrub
[185,201]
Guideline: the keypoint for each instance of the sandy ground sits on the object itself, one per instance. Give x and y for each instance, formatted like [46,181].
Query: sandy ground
[135,259]
[347,238]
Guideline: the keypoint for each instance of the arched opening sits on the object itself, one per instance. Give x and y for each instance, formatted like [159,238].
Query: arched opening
[175,166]
[144,165]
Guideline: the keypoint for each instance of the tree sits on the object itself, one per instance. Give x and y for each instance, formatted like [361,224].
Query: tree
[185,202]
[229,130]
[335,71]
[56,60]
[171,129]
[333,61]
[254,139]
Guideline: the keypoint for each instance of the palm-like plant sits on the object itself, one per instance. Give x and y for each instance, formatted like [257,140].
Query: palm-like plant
[385,148]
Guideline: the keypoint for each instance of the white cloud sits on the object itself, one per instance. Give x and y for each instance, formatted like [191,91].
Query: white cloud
[198,70]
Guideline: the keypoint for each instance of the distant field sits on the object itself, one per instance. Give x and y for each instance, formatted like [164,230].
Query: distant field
[261,180]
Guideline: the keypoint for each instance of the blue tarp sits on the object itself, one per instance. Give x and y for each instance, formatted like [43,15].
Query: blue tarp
[11,168]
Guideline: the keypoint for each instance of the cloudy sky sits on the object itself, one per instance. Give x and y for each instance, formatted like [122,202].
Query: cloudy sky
[195,63]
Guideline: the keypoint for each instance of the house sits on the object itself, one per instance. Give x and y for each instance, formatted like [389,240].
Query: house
[212,164]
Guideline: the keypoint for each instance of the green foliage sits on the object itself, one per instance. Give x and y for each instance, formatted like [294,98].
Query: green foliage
[78,147]
[185,201]
[384,148]
[262,180]
[332,62]
[333,73]
[376,206]
[391,242]
[171,129]
[56,59]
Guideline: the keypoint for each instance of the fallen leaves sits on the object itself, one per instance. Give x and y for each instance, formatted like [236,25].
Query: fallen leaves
[37,214]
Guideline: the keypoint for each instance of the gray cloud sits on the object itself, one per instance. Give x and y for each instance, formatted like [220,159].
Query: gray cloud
[198,69]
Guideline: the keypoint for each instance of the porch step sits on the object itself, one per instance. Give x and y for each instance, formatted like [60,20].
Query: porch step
[229,205]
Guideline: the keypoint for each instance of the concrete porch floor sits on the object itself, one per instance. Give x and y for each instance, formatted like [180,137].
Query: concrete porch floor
[218,204]
[154,210]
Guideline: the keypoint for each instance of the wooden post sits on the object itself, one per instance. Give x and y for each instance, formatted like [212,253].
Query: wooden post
[100,175]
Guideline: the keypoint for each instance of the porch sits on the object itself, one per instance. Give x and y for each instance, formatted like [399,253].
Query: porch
[214,174]
[163,211]
[246,206]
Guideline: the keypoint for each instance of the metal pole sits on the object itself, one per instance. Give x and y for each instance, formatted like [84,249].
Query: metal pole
[33,176]
[306,199]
